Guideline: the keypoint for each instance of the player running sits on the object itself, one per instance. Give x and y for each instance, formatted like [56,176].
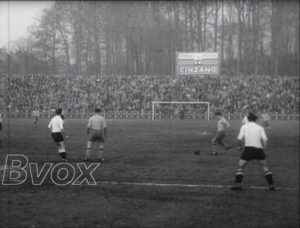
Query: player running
[96,129]
[265,120]
[56,127]
[36,116]
[218,139]
[255,140]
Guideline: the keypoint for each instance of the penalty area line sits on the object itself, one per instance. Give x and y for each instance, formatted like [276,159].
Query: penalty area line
[182,185]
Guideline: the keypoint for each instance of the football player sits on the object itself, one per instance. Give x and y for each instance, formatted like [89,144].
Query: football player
[255,140]
[96,130]
[218,139]
[36,116]
[56,127]
[265,120]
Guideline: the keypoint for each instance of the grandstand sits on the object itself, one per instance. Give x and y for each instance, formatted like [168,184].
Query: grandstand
[78,95]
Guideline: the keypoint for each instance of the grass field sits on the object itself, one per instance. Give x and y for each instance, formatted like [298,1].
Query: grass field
[151,178]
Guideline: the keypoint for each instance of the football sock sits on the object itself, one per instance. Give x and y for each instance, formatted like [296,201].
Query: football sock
[88,153]
[268,175]
[88,150]
[63,155]
[239,176]
[61,148]
[269,179]
[62,151]
[100,152]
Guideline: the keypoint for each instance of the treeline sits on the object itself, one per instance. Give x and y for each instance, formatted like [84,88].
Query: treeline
[142,37]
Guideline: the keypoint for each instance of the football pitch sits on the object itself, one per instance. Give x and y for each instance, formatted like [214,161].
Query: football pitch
[151,178]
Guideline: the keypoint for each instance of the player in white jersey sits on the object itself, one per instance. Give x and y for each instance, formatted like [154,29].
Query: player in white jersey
[265,120]
[96,129]
[36,116]
[56,127]
[255,141]
[218,139]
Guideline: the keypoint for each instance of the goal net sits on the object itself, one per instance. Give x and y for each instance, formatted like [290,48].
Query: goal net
[180,110]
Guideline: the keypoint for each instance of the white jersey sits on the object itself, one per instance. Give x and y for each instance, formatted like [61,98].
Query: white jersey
[56,124]
[253,134]
[222,124]
[97,122]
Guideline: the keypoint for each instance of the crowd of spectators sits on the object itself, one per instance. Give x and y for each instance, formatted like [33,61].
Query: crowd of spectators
[136,92]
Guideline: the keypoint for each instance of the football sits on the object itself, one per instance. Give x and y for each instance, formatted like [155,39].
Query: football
[197,152]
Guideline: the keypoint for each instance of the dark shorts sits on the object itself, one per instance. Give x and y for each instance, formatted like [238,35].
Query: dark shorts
[219,137]
[0,126]
[57,137]
[252,153]
[96,136]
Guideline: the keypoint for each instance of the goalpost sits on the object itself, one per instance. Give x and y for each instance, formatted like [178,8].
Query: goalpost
[179,102]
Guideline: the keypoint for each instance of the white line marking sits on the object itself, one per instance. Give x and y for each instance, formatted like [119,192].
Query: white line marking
[183,185]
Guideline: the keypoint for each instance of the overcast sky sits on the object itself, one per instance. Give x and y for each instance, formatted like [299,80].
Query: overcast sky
[16,16]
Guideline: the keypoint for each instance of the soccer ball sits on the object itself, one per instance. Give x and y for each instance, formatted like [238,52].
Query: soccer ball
[197,152]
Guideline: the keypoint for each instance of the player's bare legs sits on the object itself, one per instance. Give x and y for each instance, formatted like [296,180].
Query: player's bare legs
[239,175]
[268,174]
[218,140]
[224,145]
[88,151]
[214,146]
[100,152]
[62,151]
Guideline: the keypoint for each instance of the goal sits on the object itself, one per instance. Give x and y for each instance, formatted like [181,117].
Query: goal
[156,113]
